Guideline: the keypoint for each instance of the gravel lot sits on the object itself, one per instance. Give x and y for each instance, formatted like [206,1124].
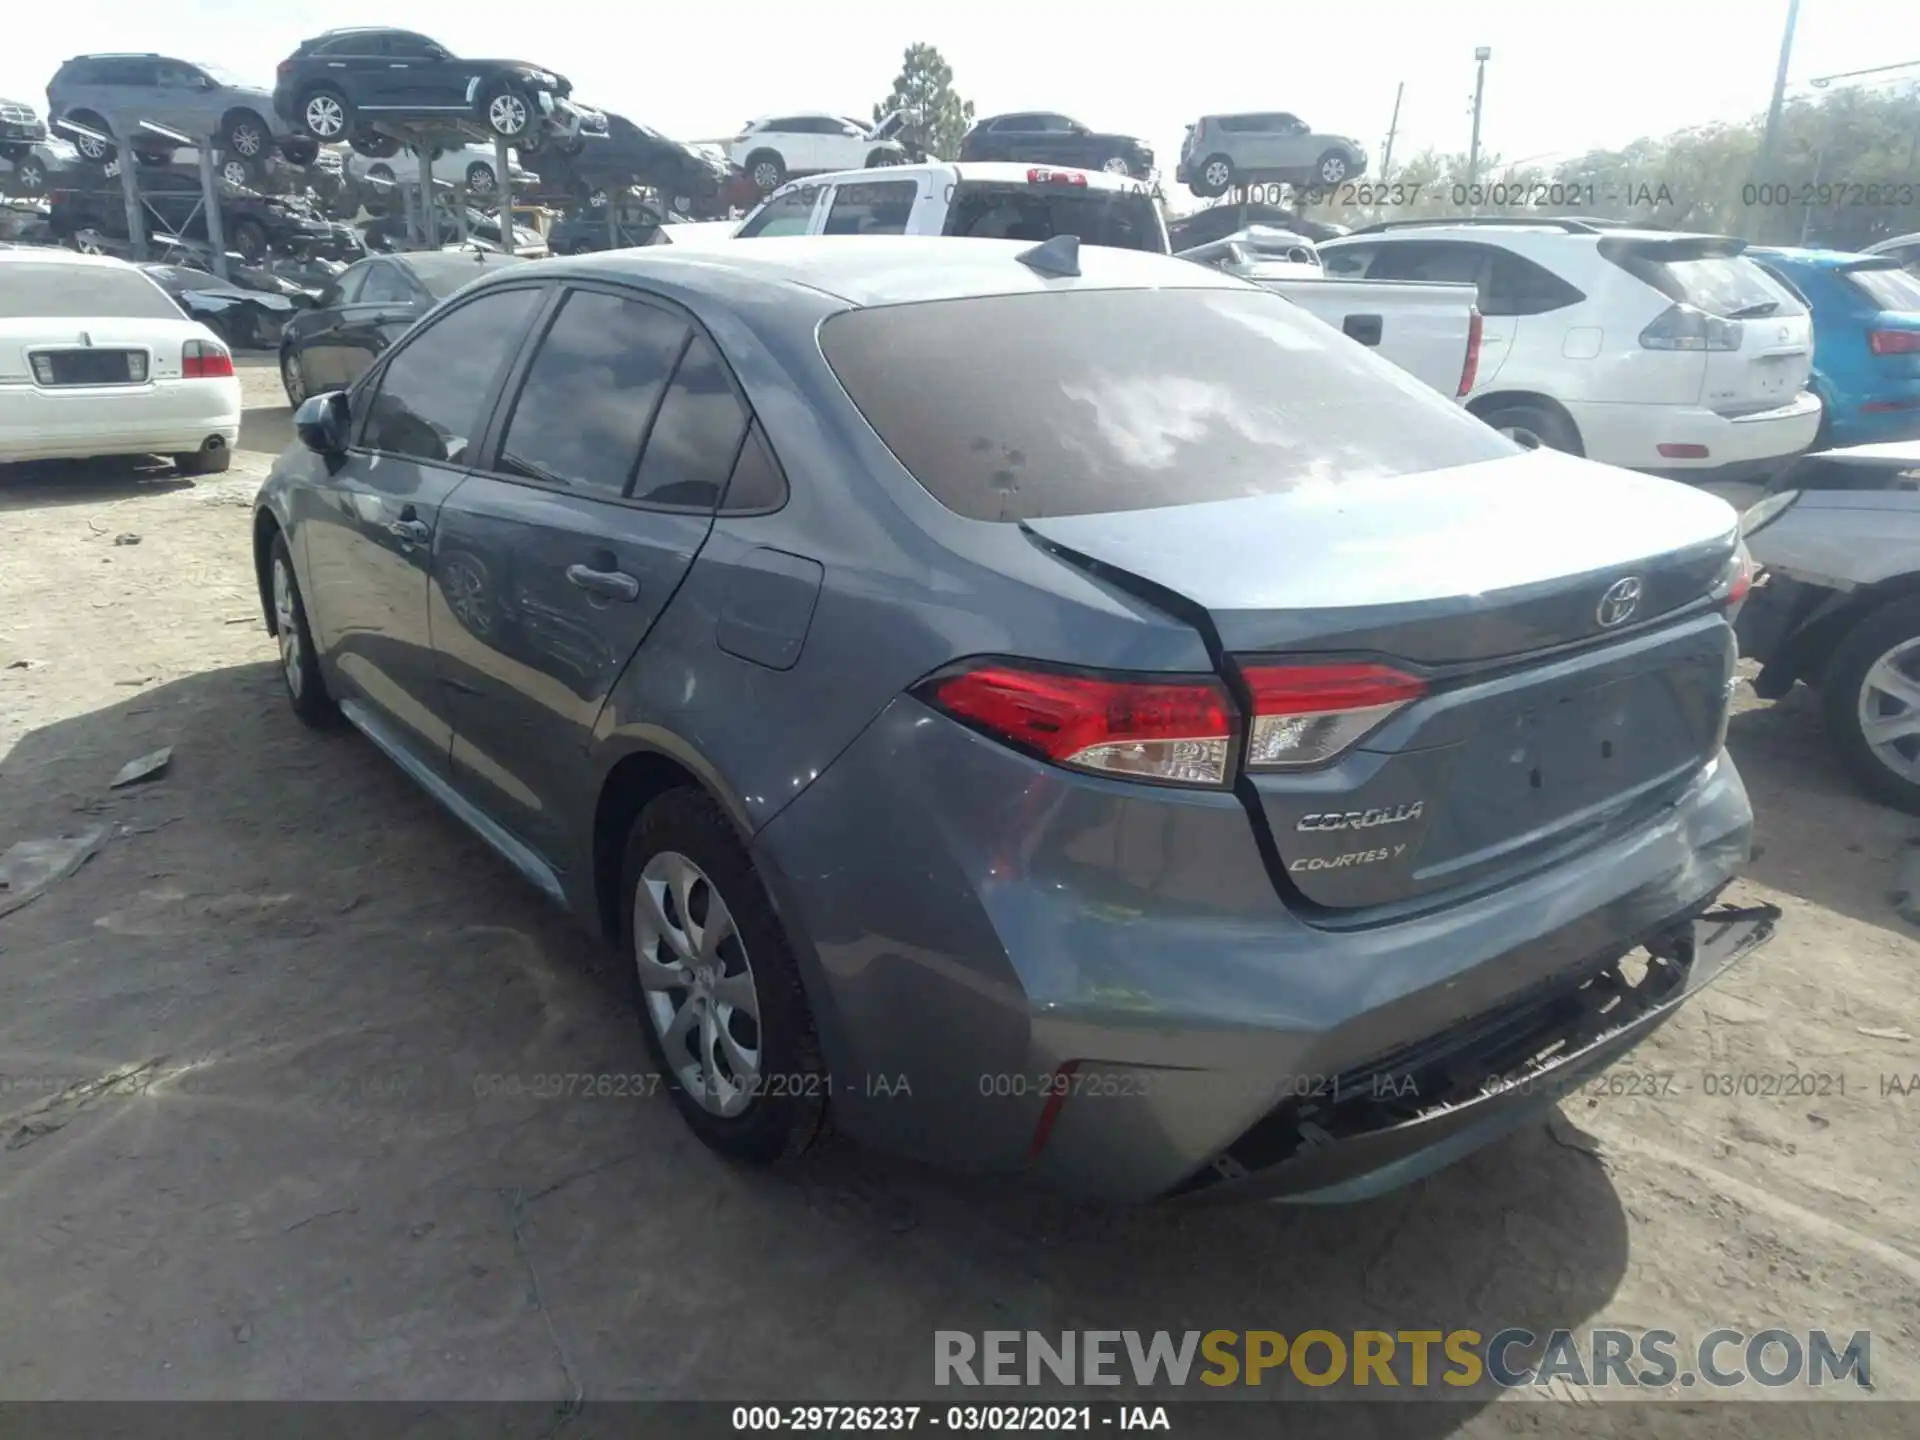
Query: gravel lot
[244,1155]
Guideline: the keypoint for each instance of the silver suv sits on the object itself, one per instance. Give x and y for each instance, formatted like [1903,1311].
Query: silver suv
[1261,147]
[107,93]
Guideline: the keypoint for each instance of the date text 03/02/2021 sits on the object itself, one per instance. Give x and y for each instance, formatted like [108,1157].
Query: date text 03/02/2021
[964,1419]
[1558,195]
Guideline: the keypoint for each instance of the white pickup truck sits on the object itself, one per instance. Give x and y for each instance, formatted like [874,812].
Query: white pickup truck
[1428,329]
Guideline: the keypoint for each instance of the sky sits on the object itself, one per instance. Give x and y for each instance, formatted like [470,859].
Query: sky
[1565,76]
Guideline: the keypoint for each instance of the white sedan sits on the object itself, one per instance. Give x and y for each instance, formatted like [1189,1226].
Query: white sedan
[96,359]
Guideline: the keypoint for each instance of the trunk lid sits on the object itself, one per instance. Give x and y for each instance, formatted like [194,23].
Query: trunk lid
[1761,355]
[1545,712]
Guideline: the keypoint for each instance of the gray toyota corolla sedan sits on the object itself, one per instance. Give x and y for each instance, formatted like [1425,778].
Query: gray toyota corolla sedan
[1052,711]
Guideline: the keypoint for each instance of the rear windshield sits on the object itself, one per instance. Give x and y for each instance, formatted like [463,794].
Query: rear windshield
[443,274]
[40,292]
[1890,289]
[1724,285]
[1078,402]
[1119,219]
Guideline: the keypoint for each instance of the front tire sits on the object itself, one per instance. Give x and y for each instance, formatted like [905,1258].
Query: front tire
[98,152]
[716,985]
[292,379]
[508,112]
[1871,698]
[299,661]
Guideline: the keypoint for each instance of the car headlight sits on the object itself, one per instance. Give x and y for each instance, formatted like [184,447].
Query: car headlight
[1758,517]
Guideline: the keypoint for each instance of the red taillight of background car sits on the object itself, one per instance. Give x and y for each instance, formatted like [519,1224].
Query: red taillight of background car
[283,69]
[1894,342]
[1307,714]
[1470,371]
[1056,177]
[205,360]
[1174,731]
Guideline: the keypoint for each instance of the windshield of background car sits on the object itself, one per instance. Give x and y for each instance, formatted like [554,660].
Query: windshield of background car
[220,75]
[441,275]
[1118,219]
[1077,402]
[1890,289]
[39,292]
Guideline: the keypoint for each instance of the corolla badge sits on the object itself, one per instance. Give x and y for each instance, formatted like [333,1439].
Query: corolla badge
[1617,605]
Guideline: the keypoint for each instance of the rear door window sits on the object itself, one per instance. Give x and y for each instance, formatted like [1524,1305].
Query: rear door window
[1431,261]
[1080,402]
[590,392]
[1514,285]
[1890,289]
[877,208]
[1119,219]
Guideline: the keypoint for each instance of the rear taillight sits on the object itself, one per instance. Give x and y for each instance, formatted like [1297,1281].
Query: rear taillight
[1470,371]
[205,360]
[1682,327]
[1056,177]
[1174,731]
[283,69]
[1894,342]
[1307,714]
[1736,580]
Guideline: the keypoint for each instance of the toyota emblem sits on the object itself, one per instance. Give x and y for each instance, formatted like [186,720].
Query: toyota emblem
[1616,607]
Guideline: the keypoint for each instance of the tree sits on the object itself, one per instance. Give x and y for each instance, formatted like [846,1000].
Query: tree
[936,118]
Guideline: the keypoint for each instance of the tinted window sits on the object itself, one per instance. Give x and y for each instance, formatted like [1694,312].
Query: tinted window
[1516,286]
[757,484]
[785,214]
[590,392]
[125,72]
[386,286]
[880,208]
[430,395]
[1015,124]
[173,75]
[1419,260]
[1240,124]
[33,291]
[1081,401]
[992,210]
[1701,274]
[789,124]
[1889,289]
[412,47]
[1348,259]
[346,289]
[691,448]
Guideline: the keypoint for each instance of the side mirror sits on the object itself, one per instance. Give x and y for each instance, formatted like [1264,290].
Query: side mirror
[323,422]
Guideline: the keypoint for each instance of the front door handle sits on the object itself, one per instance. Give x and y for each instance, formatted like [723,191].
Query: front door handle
[611,584]
[410,532]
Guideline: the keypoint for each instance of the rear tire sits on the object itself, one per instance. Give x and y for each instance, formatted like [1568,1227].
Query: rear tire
[1536,428]
[767,169]
[293,379]
[299,661]
[204,462]
[95,151]
[1331,169]
[248,137]
[374,145]
[686,876]
[1877,660]
[1212,177]
[326,115]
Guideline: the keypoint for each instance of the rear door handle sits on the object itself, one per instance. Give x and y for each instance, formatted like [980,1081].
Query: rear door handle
[410,532]
[611,584]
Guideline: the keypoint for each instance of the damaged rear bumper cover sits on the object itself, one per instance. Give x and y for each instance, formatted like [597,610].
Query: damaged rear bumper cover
[1405,1115]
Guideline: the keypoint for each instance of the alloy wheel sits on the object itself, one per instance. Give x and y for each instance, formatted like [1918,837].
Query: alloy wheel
[30,177]
[1217,175]
[234,172]
[91,148]
[766,175]
[246,140]
[697,984]
[294,382]
[507,114]
[1888,708]
[325,117]
[1332,170]
[1116,166]
[286,624]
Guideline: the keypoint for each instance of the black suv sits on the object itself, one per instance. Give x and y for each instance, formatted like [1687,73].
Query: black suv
[20,125]
[336,82]
[1043,137]
[172,202]
[633,154]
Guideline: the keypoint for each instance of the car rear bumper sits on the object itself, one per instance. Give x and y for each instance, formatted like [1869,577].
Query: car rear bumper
[1015,968]
[1634,436]
[166,418]
[1892,412]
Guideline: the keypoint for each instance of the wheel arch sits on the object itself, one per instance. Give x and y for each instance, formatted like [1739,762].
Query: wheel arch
[236,112]
[640,774]
[1810,646]
[1483,405]
[266,529]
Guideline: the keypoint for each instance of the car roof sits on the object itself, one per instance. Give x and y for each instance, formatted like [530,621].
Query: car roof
[1813,256]
[869,270]
[998,172]
[49,255]
[1457,230]
[1892,241]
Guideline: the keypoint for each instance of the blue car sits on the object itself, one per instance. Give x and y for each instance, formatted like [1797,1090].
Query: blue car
[1866,354]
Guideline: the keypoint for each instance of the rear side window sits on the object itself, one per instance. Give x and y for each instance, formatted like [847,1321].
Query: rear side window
[879,208]
[785,214]
[1514,285]
[33,291]
[429,402]
[1890,289]
[695,437]
[590,391]
[757,485]
[990,210]
[1081,402]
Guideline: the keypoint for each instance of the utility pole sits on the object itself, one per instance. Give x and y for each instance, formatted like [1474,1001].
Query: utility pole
[1764,160]
[1480,56]
[1393,128]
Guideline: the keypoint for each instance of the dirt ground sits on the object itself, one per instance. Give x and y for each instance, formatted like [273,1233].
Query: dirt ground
[244,1155]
